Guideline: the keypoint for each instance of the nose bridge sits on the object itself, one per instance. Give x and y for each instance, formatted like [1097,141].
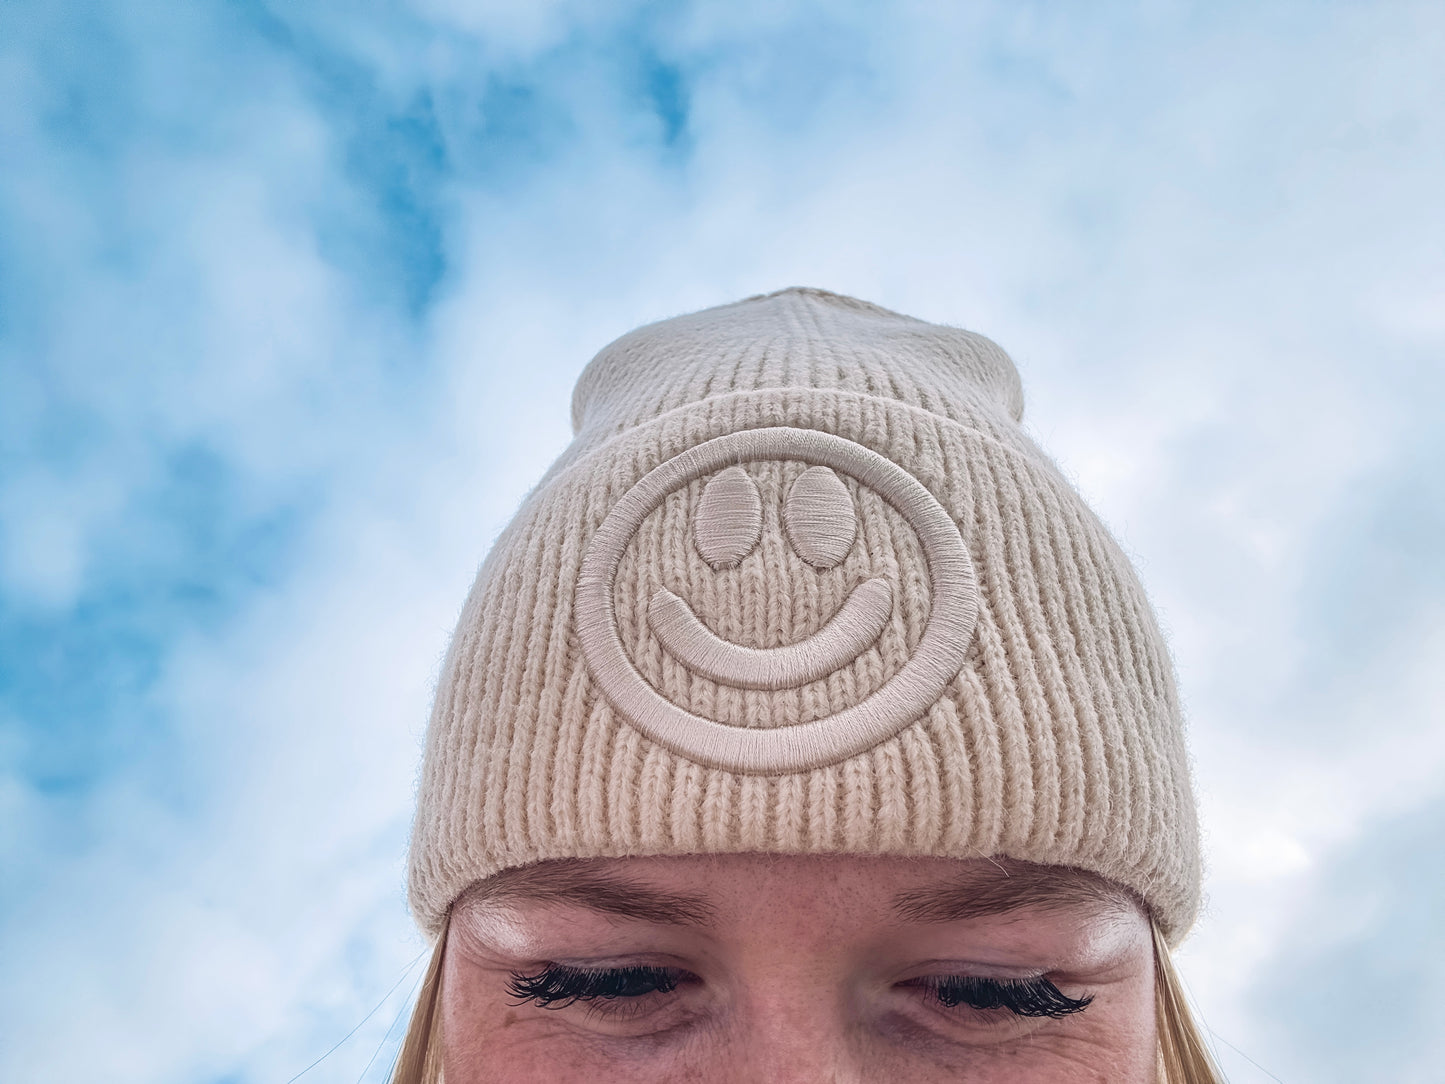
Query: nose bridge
[798,1021]
[798,1041]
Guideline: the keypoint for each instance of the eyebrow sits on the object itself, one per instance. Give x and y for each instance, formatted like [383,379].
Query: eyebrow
[567,883]
[1013,887]
[1004,888]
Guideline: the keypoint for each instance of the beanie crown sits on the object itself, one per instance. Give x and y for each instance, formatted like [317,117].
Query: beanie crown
[772,341]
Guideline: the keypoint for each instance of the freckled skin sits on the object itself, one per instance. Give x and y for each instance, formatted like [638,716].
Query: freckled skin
[801,974]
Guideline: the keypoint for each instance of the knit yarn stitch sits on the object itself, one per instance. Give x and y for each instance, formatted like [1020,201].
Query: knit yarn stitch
[801,584]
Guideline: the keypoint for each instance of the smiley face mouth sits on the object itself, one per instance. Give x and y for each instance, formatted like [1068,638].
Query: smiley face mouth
[848,633]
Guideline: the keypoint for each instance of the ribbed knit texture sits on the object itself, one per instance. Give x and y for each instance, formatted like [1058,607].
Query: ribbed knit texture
[1057,738]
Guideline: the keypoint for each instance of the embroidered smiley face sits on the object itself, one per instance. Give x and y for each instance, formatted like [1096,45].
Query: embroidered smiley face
[819,521]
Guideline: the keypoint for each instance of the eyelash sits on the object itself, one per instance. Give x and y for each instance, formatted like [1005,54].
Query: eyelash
[557,986]
[1036,997]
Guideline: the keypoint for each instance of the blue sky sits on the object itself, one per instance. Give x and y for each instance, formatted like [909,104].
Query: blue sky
[291,301]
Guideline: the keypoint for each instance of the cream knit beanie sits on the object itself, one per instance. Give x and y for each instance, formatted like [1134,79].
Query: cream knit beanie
[802,584]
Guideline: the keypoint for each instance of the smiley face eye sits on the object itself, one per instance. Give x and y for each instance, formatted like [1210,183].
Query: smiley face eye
[819,518]
[729,519]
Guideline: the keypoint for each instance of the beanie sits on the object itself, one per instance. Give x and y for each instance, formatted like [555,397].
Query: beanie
[802,584]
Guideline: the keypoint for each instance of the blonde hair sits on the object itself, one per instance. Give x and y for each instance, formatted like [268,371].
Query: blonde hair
[420,1060]
[1183,1056]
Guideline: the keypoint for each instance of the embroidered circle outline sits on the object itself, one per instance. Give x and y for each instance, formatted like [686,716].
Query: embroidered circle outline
[903,698]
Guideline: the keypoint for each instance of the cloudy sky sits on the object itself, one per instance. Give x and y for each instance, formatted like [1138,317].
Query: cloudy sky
[291,300]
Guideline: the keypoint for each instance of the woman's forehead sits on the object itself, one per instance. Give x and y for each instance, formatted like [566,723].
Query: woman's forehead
[692,889]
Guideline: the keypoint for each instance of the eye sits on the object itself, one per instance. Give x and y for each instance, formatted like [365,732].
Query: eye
[1036,997]
[729,519]
[819,518]
[557,985]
